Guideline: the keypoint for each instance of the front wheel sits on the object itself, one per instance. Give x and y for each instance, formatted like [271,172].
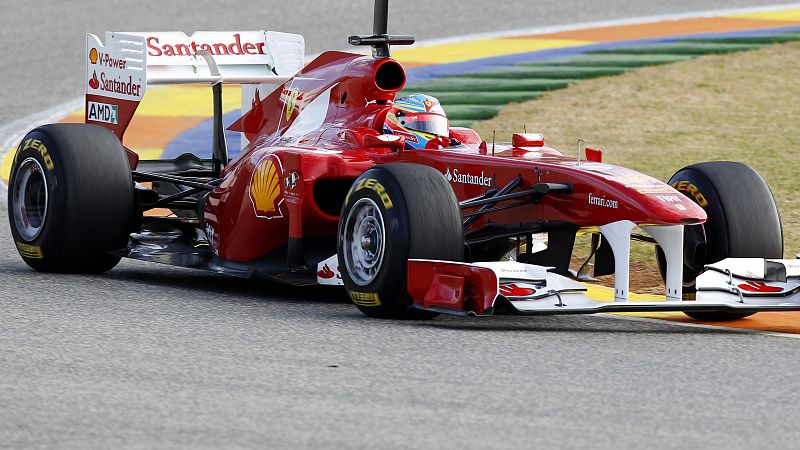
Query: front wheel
[743,222]
[393,213]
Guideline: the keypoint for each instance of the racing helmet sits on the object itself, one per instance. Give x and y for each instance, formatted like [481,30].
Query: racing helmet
[419,118]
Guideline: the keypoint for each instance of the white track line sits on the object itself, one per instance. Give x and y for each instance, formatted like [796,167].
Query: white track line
[11,133]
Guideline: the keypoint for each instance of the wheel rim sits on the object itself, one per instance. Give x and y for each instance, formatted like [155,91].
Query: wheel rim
[363,242]
[29,199]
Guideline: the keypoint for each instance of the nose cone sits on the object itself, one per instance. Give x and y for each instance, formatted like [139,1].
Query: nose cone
[659,202]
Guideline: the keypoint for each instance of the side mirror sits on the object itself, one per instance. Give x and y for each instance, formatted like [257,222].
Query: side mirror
[385,141]
[520,140]
[594,154]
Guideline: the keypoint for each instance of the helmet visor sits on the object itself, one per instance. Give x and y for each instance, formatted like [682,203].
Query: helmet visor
[426,123]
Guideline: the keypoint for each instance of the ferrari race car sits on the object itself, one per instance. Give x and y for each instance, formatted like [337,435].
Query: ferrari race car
[320,194]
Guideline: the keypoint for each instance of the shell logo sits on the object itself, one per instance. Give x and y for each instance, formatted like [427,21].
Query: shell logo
[93,56]
[265,188]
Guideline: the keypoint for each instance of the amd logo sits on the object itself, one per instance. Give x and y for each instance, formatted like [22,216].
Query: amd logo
[102,112]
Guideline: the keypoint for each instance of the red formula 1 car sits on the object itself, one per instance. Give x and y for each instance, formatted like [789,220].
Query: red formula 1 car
[321,194]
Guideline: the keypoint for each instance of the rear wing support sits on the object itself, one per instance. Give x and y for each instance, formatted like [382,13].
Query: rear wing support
[219,148]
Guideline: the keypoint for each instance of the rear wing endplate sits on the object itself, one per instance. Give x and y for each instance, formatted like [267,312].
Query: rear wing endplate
[118,73]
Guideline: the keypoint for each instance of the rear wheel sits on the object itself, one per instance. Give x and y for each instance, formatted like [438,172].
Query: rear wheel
[743,222]
[393,213]
[70,198]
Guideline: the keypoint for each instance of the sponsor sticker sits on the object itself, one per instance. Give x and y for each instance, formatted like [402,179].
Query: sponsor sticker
[114,71]
[328,272]
[409,137]
[224,45]
[517,290]
[692,191]
[463,177]
[365,298]
[102,112]
[36,144]
[650,189]
[669,198]
[291,191]
[633,178]
[754,286]
[30,251]
[290,97]
[595,166]
[604,202]
[372,183]
[107,60]
[116,85]
[290,182]
[265,188]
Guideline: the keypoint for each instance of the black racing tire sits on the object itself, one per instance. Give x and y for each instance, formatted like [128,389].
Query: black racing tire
[743,222]
[418,216]
[70,198]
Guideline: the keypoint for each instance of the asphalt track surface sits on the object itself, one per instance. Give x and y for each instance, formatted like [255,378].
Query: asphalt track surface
[154,357]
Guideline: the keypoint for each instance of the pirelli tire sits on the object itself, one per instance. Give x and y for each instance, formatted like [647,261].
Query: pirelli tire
[393,213]
[70,198]
[743,221]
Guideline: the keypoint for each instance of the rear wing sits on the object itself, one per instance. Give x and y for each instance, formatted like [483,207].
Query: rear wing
[118,73]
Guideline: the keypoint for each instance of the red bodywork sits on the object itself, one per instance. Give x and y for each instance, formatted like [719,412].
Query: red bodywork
[309,135]
[452,286]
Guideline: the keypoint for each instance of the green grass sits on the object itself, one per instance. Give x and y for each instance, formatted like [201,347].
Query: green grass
[612,60]
[775,39]
[462,123]
[479,98]
[548,72]
[471,112]
[685,48]
[456,84]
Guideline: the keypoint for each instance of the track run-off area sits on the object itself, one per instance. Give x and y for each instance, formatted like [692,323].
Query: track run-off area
[174,120]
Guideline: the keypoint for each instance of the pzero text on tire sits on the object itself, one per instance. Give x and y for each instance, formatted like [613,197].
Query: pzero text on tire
[743,222]
[70,198]
[393,213]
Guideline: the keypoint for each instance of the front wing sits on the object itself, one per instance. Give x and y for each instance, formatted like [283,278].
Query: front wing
[480,289]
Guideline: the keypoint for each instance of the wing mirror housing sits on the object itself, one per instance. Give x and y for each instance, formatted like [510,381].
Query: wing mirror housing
[594,154]
[520,140]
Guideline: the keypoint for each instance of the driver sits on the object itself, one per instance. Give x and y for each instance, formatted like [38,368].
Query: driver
[421,120]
